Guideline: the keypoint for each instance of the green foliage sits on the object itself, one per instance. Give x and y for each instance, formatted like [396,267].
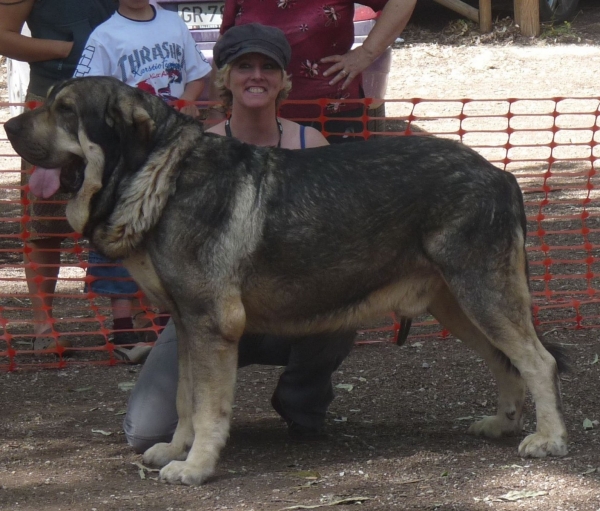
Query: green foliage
[552,31]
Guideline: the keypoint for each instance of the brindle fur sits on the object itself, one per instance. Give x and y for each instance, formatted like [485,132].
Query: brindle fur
[232,238]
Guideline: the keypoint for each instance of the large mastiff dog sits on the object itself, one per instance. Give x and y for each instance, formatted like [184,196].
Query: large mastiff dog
[231,238]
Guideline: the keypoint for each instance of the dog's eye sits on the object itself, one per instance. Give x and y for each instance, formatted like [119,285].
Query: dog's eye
[64,108]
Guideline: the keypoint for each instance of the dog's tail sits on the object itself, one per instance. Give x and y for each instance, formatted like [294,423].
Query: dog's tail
[560,354]
[558,351]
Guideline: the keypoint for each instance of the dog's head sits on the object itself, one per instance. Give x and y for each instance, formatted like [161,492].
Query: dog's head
[98,130]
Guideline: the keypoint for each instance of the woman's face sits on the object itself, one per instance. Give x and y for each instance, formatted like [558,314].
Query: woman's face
[255,80]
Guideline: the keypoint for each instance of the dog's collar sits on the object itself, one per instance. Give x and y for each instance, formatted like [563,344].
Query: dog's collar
[228,129]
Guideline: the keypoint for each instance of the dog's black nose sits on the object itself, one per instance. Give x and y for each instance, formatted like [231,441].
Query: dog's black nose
[13,126]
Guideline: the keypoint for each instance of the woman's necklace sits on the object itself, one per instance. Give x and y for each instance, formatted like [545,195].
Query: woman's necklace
[228,129]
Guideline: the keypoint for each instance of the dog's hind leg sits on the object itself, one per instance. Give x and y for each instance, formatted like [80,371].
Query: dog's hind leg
[511,387]
[496,300]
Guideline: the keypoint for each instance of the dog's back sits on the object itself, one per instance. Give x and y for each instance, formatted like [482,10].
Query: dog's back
[318,233]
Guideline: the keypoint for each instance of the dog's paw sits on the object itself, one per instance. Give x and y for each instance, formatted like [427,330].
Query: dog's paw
[183,472]
[162,454]
[539,445]
[495,426]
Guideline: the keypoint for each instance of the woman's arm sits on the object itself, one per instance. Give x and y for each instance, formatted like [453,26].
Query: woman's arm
[13,15]
[393,19]
[314,138]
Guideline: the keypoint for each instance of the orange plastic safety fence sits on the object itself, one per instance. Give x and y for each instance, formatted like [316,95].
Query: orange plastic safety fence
[550,145]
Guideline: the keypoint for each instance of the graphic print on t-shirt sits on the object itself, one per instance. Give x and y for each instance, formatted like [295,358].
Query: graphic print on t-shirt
[157,67]
[162,64]
[83,68]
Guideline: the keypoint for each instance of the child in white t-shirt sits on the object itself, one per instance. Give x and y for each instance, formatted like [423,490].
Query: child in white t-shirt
[151,49]
[148,48]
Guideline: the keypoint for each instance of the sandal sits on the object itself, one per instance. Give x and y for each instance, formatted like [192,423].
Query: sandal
[46,342]
[129,346]
[135,355]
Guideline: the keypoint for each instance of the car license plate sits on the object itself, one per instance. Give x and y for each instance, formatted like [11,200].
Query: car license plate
[199,16]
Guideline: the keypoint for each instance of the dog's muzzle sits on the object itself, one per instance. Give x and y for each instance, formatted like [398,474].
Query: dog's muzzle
[18,133]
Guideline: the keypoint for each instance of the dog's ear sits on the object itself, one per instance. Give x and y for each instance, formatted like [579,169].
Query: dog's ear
[134,125]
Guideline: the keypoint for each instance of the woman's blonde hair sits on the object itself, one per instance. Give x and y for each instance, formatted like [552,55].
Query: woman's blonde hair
[227,97]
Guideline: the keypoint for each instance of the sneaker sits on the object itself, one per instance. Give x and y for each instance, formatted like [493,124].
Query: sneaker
[297,432]
[134,355]
[46,342]
[123,337]
[129,348]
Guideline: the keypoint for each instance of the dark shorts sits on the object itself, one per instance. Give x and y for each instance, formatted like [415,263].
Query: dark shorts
[110,277]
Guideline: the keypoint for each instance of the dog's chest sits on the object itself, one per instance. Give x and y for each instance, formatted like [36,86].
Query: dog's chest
[143,272]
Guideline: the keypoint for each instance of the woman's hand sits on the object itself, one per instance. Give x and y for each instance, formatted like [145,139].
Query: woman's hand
[347,67]
[391,22]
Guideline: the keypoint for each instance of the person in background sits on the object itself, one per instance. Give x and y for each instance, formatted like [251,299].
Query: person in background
[253,86]
[252,81]
[153,50]
[323,65]
[59,30]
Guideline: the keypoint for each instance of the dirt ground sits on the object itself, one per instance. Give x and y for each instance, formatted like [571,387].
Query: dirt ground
[397,428]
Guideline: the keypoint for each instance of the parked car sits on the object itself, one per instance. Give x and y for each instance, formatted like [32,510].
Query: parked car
[558,11]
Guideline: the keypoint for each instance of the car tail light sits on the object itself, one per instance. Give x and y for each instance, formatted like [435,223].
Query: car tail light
[363,13]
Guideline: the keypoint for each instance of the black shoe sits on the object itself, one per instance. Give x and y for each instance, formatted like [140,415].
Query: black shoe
[125,337]
[297,432]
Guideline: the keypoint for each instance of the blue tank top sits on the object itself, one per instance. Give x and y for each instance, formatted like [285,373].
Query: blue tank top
[302,136]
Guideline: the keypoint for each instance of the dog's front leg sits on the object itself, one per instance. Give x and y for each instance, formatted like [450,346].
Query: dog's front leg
[162,453]
[210,368]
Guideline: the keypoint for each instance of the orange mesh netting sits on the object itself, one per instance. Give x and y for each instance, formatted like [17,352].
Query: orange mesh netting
[550,145]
